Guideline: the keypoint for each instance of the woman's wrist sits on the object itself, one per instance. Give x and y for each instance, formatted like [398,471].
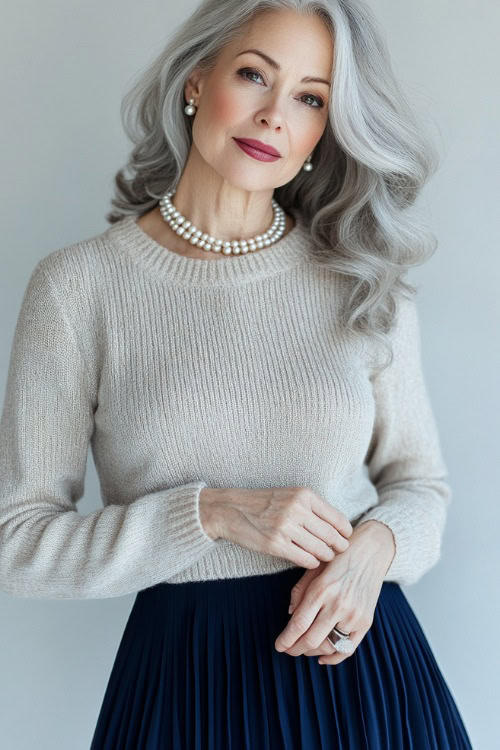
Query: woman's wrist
[381,535]
[208,509]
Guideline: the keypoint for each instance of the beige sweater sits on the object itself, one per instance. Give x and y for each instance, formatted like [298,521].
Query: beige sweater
[183,373]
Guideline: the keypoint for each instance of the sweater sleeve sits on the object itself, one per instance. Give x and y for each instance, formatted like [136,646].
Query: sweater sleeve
[405,461]
[47,549]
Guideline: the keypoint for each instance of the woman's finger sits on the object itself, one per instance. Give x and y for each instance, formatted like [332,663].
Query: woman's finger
[298,591]
[317,633]
[323,649]
[298,624]
[326,533]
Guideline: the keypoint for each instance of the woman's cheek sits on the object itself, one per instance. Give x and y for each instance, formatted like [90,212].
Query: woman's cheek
[227,110]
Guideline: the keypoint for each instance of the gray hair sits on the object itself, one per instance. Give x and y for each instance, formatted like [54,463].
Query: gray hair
[369,165]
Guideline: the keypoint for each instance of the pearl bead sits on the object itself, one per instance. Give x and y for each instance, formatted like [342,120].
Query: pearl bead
[184,228]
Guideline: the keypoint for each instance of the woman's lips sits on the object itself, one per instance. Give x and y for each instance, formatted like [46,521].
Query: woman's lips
[255,152]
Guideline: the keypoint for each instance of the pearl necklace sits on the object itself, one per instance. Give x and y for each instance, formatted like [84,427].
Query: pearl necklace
[186,229]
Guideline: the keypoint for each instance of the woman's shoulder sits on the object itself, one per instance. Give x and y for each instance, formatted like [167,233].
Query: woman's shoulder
[75,278]
[79,257]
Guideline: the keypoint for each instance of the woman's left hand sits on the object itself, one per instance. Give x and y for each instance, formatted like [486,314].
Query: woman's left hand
[343,593]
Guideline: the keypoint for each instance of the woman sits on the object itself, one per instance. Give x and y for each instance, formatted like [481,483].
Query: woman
[254,448]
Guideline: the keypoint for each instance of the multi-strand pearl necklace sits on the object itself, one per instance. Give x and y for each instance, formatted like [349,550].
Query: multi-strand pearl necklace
[186,229]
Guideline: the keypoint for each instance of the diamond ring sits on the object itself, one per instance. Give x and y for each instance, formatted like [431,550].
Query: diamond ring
[340,641]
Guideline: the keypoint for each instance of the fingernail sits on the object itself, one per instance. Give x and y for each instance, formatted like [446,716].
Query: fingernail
[290,609]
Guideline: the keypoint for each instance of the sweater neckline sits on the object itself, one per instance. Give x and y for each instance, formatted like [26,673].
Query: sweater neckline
[131,240]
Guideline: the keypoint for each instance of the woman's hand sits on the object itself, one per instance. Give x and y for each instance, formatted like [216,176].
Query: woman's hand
[343,593]
[290,522]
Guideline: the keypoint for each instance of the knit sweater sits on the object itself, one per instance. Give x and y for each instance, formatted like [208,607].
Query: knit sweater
[183,373]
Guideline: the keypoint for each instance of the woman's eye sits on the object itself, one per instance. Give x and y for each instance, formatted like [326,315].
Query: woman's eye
[243,73]
[318,99]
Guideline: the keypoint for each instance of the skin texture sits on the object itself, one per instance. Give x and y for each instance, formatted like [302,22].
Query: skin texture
[227,193]
[222,189]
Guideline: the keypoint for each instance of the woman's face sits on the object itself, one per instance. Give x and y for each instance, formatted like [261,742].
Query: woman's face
[246,96]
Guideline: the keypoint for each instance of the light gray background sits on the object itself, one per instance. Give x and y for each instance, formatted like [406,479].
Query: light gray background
[64,68]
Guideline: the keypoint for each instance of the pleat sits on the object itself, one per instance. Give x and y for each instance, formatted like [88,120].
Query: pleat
[232,723]
[215,681]
[429,684]
[197,668]
[136,718]
[242,699]
[393,698]
[370,673]
[156,736]
[420,689]
[189,716]
[175,680]
[317,701]
[282,689]
[261,670]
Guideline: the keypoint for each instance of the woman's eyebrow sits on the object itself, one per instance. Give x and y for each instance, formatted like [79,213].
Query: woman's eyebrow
[277,66]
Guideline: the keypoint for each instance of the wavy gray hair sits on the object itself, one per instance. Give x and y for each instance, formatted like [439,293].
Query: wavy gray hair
[369,165]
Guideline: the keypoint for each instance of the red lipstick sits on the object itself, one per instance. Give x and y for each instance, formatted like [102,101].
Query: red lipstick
[258,149]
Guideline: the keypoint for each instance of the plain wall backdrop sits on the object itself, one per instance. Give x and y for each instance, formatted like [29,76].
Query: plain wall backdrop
[64,69]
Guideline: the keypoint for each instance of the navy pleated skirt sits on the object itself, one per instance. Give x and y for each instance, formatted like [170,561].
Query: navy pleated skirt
[196,669]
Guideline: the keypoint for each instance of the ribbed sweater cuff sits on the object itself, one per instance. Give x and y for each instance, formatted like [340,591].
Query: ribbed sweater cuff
[182,508]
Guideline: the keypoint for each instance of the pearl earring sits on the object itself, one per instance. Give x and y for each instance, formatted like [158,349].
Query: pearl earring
[307,166]
[189,109]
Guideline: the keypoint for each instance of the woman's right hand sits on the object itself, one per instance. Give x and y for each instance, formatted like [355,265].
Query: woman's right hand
[290,522]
